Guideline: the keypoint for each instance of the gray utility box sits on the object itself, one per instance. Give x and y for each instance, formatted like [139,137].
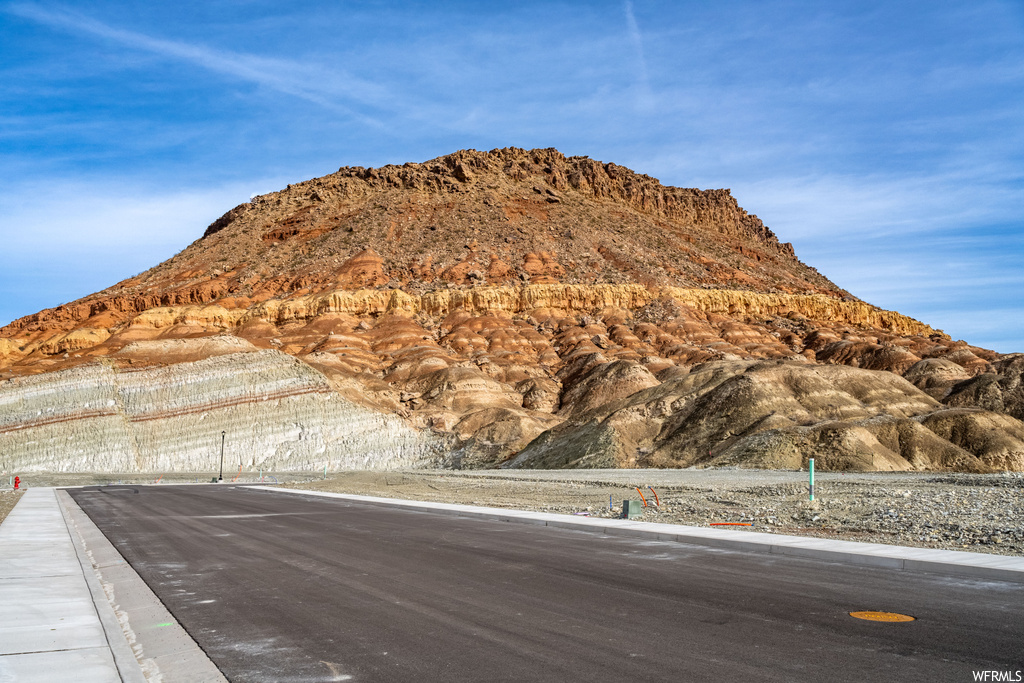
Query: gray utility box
[631,509]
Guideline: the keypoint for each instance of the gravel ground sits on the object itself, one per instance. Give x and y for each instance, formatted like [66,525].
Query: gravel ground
[980,513]
[8,499]
[30,479]
[977,512]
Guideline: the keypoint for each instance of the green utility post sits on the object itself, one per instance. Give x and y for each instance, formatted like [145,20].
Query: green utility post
[811,464]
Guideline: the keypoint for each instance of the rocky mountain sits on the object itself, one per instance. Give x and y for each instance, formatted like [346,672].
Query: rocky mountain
[513,307]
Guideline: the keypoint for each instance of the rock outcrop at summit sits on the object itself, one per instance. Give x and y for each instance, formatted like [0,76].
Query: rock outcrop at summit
[503,218]
[513,307]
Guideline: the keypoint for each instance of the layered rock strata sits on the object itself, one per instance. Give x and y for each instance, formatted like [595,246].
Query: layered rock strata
[528,301]
[512,306]
[277,414]
[775,414]
[466,220]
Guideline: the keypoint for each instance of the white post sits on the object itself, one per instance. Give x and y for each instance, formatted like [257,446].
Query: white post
[811,463]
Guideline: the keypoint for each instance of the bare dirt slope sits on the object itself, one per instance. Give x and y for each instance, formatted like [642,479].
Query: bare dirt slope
[8,499]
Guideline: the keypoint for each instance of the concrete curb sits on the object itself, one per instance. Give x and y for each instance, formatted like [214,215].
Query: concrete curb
[945,562]
[142,628]
[53,626]
[128,666]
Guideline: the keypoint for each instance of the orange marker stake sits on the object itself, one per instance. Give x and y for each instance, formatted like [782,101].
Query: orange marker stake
[730,524]
[641,495]
[657,501]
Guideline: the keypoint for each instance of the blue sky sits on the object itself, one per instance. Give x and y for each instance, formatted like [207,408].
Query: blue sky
[884,139]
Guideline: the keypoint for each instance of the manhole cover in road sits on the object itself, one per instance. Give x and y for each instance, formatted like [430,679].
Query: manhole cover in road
[882,616]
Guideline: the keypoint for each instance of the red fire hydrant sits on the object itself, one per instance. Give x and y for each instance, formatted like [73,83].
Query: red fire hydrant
[17,483]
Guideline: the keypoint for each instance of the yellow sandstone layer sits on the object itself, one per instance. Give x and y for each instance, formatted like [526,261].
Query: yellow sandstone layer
[555,298]
[523,300]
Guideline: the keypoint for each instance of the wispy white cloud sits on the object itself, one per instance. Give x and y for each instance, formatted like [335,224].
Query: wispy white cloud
[877,206]
[332,88]
[939,247]
[989,327]
[937,286]
[875,151]
[84,237]
[645,98]
[100,216]
[961,282]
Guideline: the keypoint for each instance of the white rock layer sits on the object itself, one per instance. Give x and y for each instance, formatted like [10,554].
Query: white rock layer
[277,414]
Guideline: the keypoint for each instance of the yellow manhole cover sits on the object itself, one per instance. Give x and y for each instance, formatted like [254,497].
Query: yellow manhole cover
[882,616]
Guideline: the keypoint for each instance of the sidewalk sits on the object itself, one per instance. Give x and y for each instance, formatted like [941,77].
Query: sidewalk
[51,627]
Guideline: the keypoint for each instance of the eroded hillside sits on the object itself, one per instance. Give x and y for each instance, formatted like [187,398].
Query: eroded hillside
[520,308]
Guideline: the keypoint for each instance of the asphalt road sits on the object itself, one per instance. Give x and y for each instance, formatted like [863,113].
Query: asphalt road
[278,587]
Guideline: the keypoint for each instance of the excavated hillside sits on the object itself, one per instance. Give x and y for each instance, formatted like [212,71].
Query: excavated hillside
[508,307]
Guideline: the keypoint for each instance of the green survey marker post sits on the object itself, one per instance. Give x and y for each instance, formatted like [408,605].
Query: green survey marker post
[810,464]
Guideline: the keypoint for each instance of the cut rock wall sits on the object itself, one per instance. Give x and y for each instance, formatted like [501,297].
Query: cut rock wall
[278,414]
